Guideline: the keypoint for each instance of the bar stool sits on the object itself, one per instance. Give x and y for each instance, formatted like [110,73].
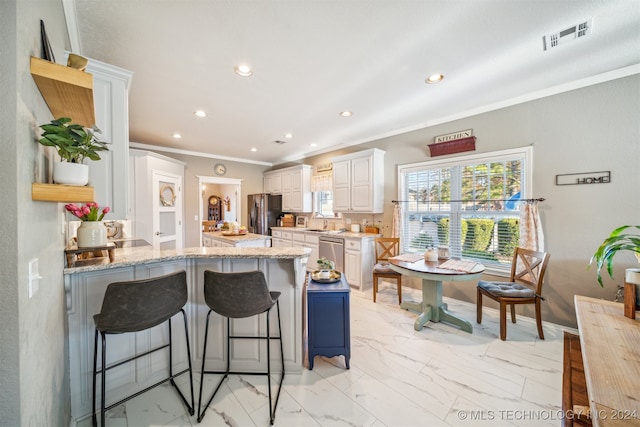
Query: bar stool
[234,296]
[135,306]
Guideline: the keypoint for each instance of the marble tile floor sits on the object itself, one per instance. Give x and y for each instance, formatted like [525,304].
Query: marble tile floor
[439,376]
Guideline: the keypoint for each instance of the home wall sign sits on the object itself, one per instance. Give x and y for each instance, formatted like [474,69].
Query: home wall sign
[603,177]
[451,143]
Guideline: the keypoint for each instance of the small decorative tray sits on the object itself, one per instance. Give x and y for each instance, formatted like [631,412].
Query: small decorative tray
[334,276]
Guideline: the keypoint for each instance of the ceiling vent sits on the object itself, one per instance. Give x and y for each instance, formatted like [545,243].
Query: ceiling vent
[279,142]
[568,34]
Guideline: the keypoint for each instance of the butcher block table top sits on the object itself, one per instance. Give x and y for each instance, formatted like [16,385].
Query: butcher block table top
[611,354]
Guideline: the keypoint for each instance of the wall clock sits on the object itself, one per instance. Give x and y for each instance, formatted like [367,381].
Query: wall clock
[220,169]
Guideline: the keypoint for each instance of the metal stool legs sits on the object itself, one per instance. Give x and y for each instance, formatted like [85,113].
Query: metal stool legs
[102,372]
[268,338]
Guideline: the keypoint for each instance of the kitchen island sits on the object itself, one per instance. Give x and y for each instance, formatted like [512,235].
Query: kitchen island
[217,239]
[86,283]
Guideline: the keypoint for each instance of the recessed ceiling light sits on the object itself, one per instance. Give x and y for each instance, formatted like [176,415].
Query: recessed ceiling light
[434,78]
[314,145]
[200,113]
[177,136]
[288,135]
[254,149]
[243,70]
[346,113]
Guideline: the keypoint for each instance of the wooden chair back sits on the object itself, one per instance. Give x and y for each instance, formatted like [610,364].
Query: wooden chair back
[528,267]
[387,247]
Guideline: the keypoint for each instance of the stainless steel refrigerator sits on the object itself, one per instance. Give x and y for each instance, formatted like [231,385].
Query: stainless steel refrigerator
[263,211]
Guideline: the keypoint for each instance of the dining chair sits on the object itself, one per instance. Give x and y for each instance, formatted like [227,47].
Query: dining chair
[385,248]
[524,287]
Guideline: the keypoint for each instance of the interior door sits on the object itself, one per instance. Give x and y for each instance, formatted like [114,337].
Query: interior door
[167,211]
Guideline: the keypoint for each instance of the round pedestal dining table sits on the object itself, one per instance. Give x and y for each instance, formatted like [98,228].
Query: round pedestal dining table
[431,308]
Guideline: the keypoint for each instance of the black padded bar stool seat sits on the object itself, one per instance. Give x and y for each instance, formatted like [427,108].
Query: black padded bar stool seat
[235,296]
[135,306]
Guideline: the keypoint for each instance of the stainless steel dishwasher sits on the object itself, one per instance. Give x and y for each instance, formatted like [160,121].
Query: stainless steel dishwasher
[332,248]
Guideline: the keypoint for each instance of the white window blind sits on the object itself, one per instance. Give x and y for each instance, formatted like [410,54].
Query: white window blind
[469,204]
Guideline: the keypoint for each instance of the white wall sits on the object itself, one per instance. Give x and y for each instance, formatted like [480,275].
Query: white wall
[33,351]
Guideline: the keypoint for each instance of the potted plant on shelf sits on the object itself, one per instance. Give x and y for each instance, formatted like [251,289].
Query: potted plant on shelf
[619,240]
[73,143]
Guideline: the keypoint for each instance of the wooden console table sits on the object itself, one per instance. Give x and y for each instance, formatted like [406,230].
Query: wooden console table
[610,345]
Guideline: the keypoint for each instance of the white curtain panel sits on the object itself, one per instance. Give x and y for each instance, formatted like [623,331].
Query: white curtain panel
[322,182]
[397,221]
[531,236]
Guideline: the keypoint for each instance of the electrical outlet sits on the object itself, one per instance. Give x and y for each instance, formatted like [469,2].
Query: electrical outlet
[195,217]
[34,277]
[348,221]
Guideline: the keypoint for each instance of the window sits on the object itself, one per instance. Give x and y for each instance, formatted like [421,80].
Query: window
[324,204]
[468,203]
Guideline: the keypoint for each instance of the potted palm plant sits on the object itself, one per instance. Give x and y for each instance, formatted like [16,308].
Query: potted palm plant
[619,240]
[74,144]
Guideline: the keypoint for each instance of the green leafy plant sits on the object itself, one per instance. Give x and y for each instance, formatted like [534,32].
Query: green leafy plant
[72,141]
[617,241]
[326,264]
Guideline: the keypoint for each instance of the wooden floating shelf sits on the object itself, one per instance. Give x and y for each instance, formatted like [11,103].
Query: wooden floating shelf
[61,193]
[68,92]
[451,147]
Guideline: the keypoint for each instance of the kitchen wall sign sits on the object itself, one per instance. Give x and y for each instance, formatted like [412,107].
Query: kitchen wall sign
[603,177]
[456,142]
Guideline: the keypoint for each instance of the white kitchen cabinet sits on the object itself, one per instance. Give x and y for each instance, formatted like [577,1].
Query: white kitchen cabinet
[109,175]
[155,199]
[294,183]
[358,262]
[272,182]
[281,238]
[311,241]
[358,182]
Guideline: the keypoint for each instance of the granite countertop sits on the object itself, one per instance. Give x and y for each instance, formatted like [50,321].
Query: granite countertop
[125,257]
[334,233]
[235,238]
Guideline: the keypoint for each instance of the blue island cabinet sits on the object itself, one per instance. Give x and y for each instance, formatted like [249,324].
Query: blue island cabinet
[329,332]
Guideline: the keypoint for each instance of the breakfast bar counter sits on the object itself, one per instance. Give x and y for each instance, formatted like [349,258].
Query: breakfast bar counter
[85,285]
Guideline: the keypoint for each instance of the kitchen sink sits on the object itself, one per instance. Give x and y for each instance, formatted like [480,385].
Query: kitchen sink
[316,230]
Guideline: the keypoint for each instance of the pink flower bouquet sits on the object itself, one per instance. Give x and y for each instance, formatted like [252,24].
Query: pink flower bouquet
[88,212]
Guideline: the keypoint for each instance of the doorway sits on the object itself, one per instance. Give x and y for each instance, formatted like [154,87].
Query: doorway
[227,191]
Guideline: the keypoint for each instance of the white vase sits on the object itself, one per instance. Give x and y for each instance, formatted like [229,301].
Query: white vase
[70,173]
[92,234]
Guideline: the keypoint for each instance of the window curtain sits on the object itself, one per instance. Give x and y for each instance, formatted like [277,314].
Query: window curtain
[322,182]
[531,236]
[397,221]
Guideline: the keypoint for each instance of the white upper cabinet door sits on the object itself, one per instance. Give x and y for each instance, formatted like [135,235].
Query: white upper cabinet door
[110,175]
[358,182]
[341,186]
[361,182]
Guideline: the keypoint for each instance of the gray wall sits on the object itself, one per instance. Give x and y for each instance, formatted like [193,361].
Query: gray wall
[34,383]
